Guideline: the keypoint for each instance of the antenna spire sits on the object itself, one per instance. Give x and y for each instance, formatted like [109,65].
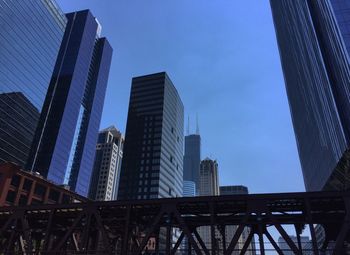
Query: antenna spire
[188,125]
[197,125]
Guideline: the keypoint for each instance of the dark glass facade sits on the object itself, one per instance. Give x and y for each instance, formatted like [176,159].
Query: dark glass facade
[317,76]
[233,190]
[30,37]
[64,145]
[341,10]
[152,165]
[18,120]
[192,158]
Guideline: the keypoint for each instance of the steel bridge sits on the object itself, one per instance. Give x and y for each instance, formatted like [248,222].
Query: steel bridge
[125,227]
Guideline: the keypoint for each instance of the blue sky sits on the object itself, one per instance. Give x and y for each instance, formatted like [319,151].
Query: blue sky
[223,58]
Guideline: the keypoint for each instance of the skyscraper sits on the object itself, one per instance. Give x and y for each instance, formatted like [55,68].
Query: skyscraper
[152,165]
[30,37]
[192,158]
[208,178]
[230,230]
[108,160]
[189,189]
[208,186]
[316,69]
[64,144]
[18,122]
[233,190]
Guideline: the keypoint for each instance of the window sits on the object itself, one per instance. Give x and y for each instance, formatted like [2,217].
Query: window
[54,195]
[27,184]
[15,180]
[39,190]
[23,199]
[11,196]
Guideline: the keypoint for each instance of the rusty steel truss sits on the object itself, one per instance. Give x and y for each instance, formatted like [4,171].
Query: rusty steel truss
[125,227]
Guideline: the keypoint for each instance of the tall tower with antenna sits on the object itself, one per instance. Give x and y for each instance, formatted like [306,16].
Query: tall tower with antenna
[192,155]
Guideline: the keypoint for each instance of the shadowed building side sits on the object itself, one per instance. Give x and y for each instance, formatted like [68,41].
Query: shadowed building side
[317,77]
[30,38]
[192,159]
[152,165]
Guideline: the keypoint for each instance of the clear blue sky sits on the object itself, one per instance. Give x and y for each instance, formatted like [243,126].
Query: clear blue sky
[223,58]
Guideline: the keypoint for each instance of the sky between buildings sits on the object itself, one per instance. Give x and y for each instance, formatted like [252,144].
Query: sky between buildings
[223,58]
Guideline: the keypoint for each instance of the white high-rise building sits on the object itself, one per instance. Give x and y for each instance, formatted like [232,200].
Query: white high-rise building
[108,159]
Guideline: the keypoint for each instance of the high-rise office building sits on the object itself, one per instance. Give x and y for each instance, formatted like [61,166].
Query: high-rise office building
[152,165]
[189,189]
[312,38]
[64,145]
[233,190]
[18,121]
[231,229]
[30,37]
[192,158]
[108,160]
[305,242]
[208,178]
[208,186]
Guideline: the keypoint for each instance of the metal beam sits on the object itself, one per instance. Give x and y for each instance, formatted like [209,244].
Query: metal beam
[153,225]
[187,231]
[339,245]
[177,244]
[117,223]
[69,232]
[236,236]
[247,242]
[274,244]
[199,239]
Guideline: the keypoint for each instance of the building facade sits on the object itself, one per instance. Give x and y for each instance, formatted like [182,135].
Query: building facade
[19,188]
[231,230]
[189,189]
[192,158]
[108,160]
[209,186]
[64,145]
[233,190]
[208,178]
[305,242]
[152,165]
[30,38]
[313,41]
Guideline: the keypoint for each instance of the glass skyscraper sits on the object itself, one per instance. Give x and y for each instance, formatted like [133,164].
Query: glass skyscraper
[30,37]
[152,165]
[64,144]
[189,189]
[313,40]
[192,158]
